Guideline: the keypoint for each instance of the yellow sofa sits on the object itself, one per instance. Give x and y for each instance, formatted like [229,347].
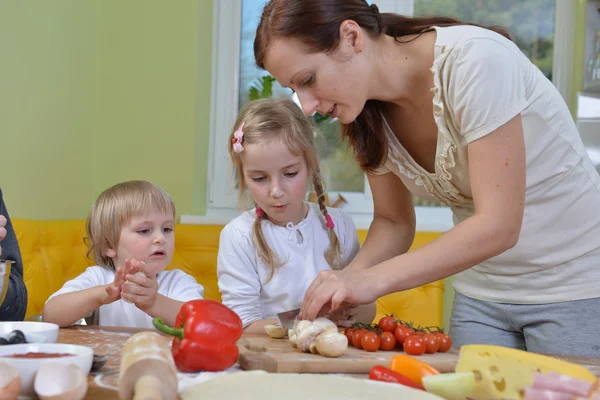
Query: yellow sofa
[54,252]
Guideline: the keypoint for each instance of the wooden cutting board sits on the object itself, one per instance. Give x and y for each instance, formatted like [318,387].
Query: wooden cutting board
[277,355]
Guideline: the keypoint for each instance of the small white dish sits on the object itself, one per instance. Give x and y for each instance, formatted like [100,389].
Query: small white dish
[47,329]
[81,356]
[30,337]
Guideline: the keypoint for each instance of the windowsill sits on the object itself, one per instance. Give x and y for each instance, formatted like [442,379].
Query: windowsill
[429,219]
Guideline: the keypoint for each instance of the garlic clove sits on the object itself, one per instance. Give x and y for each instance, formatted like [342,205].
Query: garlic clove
[276,331]
[10,382]
[330,344]
[55,381]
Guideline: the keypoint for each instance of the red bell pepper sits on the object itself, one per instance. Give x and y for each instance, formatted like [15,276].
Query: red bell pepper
[206,333]
[380,373]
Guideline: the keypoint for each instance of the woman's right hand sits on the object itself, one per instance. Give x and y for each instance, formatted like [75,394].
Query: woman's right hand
[335,288]
[2,230]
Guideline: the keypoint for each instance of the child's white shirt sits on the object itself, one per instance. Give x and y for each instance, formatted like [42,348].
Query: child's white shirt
[301,248]
[174,284]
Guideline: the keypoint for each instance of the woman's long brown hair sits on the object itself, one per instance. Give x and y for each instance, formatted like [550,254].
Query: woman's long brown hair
[316,23]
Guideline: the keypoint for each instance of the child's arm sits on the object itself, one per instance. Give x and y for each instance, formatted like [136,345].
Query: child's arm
[68,308]
[81,296]
[258,327]
[164,308]
[143,292]
[239,282]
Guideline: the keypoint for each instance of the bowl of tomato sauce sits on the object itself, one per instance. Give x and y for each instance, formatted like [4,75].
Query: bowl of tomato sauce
[27,359]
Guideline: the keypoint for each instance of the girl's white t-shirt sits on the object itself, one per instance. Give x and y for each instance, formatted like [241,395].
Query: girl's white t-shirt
[243,275]
[481,81]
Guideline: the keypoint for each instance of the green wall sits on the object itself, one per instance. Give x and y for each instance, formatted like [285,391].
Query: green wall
[98,92]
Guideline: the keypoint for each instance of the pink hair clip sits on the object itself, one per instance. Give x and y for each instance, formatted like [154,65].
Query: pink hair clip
[329,221]
[238,136]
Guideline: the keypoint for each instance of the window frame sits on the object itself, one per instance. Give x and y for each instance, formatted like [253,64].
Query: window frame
[221,197]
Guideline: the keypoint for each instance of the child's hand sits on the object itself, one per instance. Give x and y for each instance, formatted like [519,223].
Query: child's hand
[139,289]
[113,290]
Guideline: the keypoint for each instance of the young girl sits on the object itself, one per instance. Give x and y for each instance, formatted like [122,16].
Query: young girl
[130,235]
[268,256]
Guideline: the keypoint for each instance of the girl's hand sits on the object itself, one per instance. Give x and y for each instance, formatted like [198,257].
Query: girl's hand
[113,290]
[141,289]
[335,288]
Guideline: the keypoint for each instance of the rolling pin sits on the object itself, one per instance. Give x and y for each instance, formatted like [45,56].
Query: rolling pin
[147,369]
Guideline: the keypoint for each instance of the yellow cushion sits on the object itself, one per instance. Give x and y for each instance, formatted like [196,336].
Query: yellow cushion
[54,252]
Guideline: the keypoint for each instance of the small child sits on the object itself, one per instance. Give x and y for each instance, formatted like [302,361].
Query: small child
[269,256]
[130,235]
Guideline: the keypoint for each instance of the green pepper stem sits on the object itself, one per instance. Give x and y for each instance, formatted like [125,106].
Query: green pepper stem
[160,325]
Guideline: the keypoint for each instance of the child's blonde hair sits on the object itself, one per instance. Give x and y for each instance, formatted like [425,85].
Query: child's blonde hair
[115,207]
[267,121]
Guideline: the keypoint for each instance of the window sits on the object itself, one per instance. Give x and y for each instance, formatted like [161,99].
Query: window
[544,31]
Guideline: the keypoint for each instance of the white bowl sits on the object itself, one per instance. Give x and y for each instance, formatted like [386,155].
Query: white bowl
[82,356]
[30,337]
[50,331]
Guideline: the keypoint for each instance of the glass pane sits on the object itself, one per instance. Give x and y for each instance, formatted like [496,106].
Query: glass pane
[531,22]
[339,169]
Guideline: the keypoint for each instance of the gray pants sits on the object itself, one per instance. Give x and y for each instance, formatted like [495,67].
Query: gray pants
[567,328]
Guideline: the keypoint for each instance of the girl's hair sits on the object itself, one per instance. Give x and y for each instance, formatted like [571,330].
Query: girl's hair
[115,207]
[316,24]
[266,121]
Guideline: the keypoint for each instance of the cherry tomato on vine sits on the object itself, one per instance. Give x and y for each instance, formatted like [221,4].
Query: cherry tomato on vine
[445,342]
[414,345]
[388,341]
[356,336]
[370,341]
[402,332]
[388,324]
[432,343]
[348,332]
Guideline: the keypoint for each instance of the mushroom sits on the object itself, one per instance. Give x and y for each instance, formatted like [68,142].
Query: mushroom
[306,333]
[10,382]
[331,344]
[292,336]
[321,336]
[276,331]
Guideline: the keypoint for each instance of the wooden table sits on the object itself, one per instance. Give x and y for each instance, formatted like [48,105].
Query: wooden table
[109,341]
[104,340]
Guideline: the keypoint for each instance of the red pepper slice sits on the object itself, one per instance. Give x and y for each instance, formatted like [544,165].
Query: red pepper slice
[380,373]
[206,333]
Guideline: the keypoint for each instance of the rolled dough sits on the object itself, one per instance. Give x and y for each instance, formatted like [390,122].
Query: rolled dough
[260,385]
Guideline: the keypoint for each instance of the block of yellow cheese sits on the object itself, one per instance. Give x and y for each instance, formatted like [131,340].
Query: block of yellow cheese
[503,373]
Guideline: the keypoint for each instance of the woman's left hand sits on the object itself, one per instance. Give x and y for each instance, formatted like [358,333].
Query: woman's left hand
[333,288]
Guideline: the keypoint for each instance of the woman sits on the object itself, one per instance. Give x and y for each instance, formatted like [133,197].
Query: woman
[443,109]
[14,306]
